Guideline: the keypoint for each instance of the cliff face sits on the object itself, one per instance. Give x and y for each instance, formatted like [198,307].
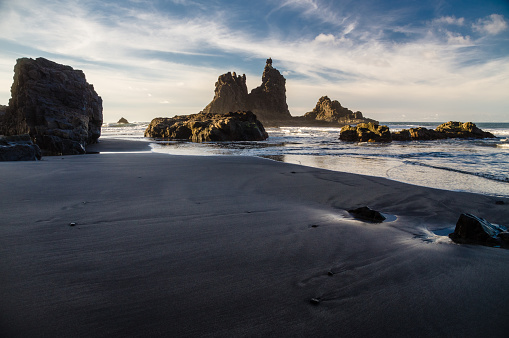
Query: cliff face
[55,105]
[268,101]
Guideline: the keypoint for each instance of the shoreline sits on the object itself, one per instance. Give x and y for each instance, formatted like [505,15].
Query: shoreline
[234,245]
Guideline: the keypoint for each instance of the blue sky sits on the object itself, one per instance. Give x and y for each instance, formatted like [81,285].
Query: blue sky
[407,60]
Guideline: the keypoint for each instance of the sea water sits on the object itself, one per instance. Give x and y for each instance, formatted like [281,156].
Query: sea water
[480,166]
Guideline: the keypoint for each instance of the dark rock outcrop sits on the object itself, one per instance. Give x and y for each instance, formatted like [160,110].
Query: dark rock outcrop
[471,229]
[367,214]
[55,105]
[453,129]
[446,130]
[230,95]
[122,121]
[268,102]
[18,148]
[365,132]
[332,112]
[205,127]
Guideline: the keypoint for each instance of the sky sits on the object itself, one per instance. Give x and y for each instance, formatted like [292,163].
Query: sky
[395,60]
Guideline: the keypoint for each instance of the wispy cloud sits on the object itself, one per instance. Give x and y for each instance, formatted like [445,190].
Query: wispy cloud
[492,24]
[124,49]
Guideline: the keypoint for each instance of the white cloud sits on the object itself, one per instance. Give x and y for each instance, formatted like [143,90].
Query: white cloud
[492,24]
[450,20]
[458,39]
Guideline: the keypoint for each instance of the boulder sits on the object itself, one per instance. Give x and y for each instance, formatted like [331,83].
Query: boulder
[471,229]
[367,214]
[205,127]
[365,132]
[55,105]
[18,148]
[122,121]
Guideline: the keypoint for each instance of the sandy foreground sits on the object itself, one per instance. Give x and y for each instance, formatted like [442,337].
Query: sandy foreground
[236,246]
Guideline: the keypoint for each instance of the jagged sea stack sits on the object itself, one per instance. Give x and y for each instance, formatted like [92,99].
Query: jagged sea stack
[267,101]
[55,105]
[230,94]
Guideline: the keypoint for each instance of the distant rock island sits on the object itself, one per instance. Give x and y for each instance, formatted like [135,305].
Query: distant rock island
[122,121]
[268,102]
[55,105]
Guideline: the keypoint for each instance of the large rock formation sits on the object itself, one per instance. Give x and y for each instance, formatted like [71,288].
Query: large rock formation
[18,148]
[268,101]
[230,94]
[446,130]
[365,132]
[55,105]
[205,127]
[332,111]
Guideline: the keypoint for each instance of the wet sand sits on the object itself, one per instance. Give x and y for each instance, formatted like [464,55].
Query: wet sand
[236,246]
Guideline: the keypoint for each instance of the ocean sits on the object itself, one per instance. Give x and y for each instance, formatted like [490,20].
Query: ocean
[479,166]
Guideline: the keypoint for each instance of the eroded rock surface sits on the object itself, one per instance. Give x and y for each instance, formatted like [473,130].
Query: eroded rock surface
[446,130]
[18,148]
[204,127]
[365,132]
[332,111]
[55,105]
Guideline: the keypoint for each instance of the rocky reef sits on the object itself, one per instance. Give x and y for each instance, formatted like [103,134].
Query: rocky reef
[268,102]
[55,105]
[206,127]
[449,129]
[372,132]
[365,132]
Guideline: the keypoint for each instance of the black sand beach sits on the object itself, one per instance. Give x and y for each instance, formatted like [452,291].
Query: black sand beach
[236,246]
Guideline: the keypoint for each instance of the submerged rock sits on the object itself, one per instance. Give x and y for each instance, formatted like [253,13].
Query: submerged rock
[55,105]
[365,132]
[18,148]
[367,214]
[471,229]
[204,127]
